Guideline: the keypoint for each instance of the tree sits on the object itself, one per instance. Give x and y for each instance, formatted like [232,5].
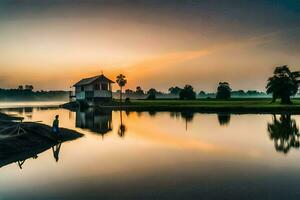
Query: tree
[283,84]
[238,93]
[285,133]
[129,92]
[121,80]
[223,91]
[175,90]
[187,93]
[152,94]
[202,93]
[139,91]
[29,87]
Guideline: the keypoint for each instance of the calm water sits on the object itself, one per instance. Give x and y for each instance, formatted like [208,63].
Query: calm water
[161,156]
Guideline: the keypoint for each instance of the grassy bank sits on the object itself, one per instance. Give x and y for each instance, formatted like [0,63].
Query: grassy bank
[237,105]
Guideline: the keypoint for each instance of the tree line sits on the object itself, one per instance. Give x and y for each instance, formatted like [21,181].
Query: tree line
[281,85]
[30,95]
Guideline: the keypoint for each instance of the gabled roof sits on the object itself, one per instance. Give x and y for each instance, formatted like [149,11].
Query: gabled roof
[87,81]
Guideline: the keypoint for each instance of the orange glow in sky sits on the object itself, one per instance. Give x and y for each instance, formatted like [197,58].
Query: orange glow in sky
[52,47]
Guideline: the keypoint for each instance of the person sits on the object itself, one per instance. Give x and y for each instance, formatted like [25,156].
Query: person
[55,126]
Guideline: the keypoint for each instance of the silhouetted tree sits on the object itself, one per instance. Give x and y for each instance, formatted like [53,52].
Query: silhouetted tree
[283,84]
[284,132]
[224,118]
[238,93]
[202,93]
[139,91]
[129,92]
[223,91]
[175,90]
[29,87]
[187,93]
[254,92]
[152,94]
[29,95]
[121,80]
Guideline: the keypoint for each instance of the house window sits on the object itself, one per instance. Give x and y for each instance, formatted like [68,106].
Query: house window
[82,88]
[104,86]
[97,86]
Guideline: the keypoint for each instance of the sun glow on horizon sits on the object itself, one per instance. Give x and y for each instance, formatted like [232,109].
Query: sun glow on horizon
[53,47]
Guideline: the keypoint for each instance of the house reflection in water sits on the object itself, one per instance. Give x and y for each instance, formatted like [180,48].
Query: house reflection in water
[95,120]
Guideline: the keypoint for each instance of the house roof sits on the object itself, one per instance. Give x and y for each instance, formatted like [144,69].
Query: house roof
[87,81]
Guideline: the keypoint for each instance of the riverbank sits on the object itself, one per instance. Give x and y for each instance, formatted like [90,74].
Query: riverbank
[21,141]
[237,105]
[4,117]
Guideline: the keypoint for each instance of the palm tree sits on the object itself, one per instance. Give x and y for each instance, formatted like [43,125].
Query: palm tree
[121,80]
[283,84]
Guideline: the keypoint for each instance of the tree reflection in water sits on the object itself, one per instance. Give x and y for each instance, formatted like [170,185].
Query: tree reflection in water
[188,116]
[224,119]
[284,132]
[122,128]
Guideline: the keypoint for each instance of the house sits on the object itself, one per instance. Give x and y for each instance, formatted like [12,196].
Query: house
[94,90]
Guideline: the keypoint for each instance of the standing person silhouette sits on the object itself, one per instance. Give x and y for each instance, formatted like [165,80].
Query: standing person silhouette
[55,126]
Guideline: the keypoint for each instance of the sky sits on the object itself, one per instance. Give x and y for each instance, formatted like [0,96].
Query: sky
[156,43]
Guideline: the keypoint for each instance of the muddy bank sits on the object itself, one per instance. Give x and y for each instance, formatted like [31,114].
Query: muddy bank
[20,141]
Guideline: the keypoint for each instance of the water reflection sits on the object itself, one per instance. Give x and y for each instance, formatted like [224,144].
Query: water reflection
[9,155]
[122,128]
[284,132]
[95,120]
[56,150]
[224,119]
[152,113]
[174,115]
[187,116]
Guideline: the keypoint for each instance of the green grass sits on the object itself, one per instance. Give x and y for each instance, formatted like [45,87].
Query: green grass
[241,105]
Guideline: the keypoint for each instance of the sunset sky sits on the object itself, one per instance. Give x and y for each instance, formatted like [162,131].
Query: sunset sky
[155,43]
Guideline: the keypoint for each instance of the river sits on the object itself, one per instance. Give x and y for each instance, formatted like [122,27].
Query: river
[159,155]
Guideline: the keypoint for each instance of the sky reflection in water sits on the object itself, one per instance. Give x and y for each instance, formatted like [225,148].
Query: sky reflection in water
[161,155]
